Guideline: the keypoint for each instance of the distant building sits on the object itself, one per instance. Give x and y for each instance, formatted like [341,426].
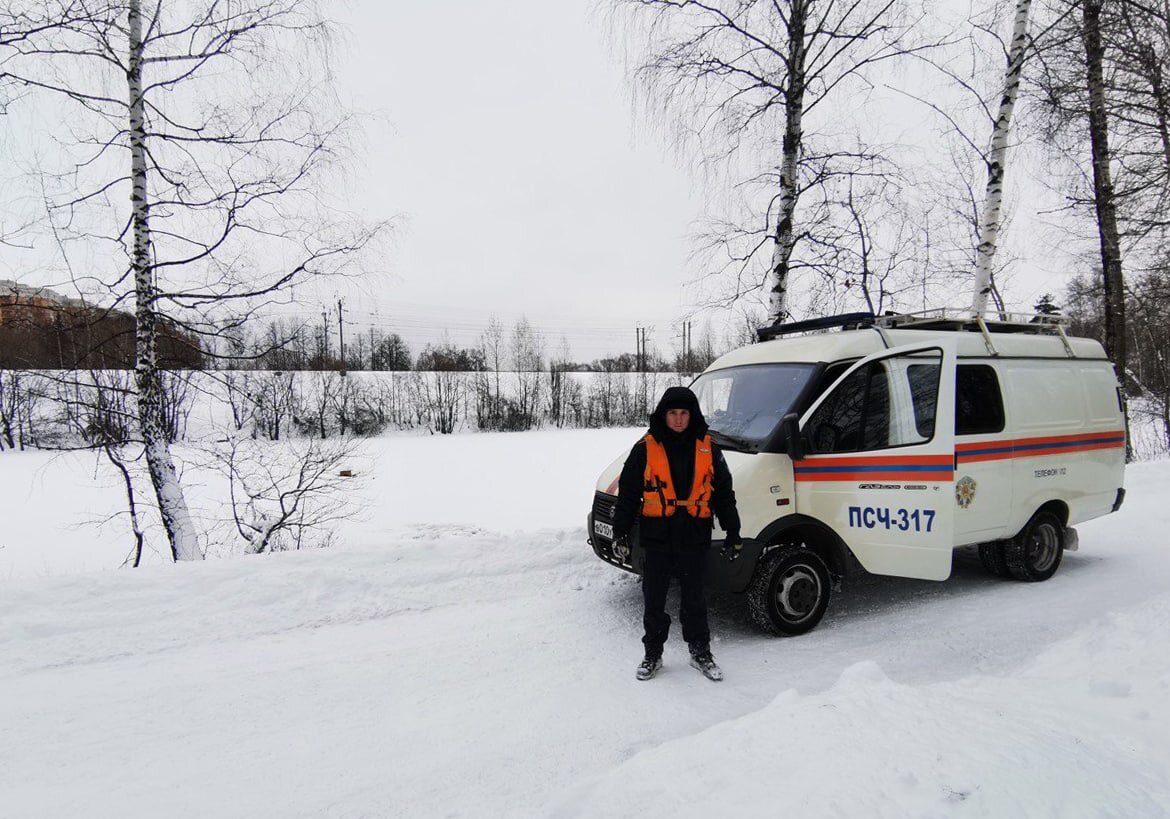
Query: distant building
[43,330]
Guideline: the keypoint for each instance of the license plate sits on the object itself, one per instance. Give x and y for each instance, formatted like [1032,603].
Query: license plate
[603,529]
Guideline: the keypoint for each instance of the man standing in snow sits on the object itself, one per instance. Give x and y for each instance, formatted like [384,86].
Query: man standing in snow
[673,480]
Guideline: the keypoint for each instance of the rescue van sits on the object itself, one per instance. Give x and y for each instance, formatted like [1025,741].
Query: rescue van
[885,443]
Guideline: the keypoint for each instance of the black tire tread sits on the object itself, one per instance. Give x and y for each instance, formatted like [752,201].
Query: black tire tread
[991,555]
[759,591]
[1015,551]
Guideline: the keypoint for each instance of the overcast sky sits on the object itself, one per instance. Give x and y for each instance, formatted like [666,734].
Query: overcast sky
[526,182]
[502,140]
[507,144]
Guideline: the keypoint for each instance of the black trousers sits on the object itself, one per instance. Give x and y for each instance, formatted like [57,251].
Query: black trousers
[689,566]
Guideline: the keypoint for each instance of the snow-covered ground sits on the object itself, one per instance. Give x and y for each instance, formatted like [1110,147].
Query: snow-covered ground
[460,652]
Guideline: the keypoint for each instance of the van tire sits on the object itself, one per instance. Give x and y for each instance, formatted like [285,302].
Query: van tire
[992,556]
[790,590]
[1035,553]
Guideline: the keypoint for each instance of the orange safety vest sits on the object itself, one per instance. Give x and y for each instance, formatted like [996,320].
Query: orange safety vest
[659,498]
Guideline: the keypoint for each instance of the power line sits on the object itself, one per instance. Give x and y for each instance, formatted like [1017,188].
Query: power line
[422,325]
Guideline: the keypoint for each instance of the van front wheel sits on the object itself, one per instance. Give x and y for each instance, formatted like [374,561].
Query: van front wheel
[1035,553]
[790,590]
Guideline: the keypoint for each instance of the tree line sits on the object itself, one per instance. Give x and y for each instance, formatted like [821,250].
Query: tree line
[94,409]
[288,344]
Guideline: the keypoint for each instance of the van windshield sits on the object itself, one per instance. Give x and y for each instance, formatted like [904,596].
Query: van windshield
[744,404]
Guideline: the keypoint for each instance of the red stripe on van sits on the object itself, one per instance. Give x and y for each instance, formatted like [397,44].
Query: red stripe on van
[1060,439]
[1037,446]
[876,468]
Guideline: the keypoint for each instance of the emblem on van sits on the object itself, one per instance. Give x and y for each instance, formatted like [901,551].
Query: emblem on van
[965,491]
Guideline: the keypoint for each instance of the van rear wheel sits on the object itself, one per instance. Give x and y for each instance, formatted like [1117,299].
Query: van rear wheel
[790,590]
[1035,553]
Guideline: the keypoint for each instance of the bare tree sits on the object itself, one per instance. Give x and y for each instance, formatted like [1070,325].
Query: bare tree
[563,392]
[319,403]
[18,401]
[1137,79]
[997,159]
[1104,200]
[489,392]
[733,74]
[389,352]
[287,497]
[195,173]
[527,352]
[275,402]
[1102,93]
[116,455]
[439,398]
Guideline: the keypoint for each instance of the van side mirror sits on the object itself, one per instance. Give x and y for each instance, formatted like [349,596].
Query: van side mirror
[793,443]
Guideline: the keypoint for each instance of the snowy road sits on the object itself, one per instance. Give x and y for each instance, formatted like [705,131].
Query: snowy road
[447,663]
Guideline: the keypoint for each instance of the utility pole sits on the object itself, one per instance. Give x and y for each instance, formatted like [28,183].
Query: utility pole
[341,335]
[324,339]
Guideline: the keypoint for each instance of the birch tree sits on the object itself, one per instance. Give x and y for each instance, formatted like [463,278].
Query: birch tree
[191,184]
[732,74]
[997,159]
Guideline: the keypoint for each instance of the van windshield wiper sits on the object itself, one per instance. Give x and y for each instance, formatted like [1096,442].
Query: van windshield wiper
[729,441]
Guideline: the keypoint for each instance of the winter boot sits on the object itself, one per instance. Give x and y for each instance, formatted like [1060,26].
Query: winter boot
[701,659]
[648,667]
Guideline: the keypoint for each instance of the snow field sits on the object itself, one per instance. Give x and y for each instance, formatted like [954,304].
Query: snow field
[460,652]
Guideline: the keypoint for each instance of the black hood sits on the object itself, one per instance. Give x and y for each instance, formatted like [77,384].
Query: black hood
[677,398]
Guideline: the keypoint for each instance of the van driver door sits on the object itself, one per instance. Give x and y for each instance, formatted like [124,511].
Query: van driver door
[879,460]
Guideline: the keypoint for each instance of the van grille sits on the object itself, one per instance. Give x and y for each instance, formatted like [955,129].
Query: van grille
[604,506]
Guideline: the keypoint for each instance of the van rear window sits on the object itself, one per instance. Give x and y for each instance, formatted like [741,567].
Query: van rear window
[978,401]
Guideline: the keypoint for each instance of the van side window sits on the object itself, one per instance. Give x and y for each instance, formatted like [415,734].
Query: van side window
[832,373]
[887,403]
[978,401]
[839,423]
[923,380]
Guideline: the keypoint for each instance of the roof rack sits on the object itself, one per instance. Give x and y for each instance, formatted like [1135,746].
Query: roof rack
[952,318]
[942,318]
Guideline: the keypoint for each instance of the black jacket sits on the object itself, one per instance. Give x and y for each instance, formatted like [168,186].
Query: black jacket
[679,530]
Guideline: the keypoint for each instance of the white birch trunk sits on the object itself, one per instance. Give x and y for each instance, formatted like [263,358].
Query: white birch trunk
[172,504]
[785,236]
[997,156]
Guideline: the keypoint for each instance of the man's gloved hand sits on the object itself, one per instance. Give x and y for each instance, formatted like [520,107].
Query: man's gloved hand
[732,547]
[621,547]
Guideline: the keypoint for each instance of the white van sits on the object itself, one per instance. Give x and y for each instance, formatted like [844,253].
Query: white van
[889,442]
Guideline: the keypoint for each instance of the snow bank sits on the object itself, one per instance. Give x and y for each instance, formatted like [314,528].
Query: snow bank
[1081,732]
